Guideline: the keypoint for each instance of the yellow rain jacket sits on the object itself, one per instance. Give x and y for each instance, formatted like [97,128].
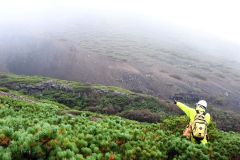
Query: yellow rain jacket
[191,113]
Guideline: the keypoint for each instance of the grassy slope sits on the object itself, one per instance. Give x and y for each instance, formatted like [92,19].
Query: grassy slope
[42,129]
[107,100]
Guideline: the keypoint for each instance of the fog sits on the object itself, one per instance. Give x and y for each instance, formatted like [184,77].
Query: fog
[219,18]
[208,28]
[190,21]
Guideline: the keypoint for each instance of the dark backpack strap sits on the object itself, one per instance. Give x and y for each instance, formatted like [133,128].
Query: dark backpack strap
[204,113]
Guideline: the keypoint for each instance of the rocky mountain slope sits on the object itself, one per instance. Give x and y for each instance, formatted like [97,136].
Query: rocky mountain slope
[161,63]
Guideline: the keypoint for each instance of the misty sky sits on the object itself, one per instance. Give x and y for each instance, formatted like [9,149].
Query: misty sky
[218,18]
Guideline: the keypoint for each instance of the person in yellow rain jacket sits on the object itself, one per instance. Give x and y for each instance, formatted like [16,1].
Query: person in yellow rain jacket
[199,120]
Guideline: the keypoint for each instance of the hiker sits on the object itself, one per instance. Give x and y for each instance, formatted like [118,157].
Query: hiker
[196,131]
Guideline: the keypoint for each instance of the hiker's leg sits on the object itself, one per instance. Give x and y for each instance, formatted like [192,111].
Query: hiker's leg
[187,132]
[193,140]
[204,141]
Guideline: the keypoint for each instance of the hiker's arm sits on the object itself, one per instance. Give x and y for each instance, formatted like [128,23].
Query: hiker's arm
[187,110]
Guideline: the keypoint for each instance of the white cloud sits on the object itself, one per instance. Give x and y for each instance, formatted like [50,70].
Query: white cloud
[218,17]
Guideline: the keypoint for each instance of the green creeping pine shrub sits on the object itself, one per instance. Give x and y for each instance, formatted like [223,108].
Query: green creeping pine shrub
[38,131]
[175,124]
[4,89]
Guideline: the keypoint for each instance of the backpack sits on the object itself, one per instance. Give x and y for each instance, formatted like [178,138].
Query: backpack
[199,126]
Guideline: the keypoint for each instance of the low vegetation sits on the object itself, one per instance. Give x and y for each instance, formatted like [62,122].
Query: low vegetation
[106,100]
[198,76]
[45,130]
[175,76]
[42,126]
